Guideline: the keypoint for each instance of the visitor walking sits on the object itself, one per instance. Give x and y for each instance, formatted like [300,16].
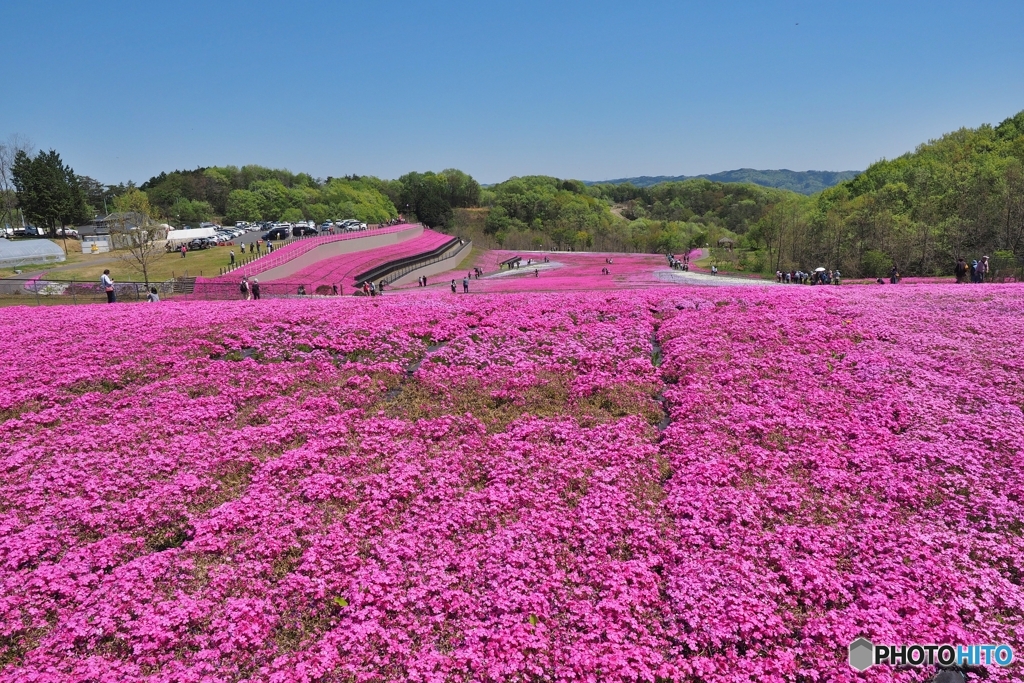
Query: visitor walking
[982,269]
[108,286]
[255,289]
[183,250]
[152,297]
[894,275]
[465,285]
[960,271]
[453,286]
[231,257]
[243,287]
[242,247]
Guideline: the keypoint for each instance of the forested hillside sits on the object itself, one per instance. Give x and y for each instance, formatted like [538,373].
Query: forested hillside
[959,196]
[253,193]
[545,212]
[804,182]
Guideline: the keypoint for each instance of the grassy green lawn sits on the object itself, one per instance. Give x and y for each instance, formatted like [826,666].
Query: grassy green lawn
[206,262]
[74,256]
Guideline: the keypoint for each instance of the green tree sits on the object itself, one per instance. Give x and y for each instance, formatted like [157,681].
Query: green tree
[191,210]
[8,192]
[292,215]
[243,205]
[48,191]
[135,232]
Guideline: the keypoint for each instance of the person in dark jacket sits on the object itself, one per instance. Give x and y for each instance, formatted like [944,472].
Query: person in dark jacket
[960,271]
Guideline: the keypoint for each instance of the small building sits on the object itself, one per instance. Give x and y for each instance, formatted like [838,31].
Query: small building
[102,232]
[727,243]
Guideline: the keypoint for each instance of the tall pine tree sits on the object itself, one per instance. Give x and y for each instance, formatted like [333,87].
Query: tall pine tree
[49,192]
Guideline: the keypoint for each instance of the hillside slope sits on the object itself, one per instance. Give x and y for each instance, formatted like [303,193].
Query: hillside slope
[804,182]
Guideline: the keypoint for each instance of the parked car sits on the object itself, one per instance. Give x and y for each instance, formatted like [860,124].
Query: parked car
[276,233]
[201,243]
[303,230]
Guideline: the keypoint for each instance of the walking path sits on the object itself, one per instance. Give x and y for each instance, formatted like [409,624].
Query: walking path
[688,277]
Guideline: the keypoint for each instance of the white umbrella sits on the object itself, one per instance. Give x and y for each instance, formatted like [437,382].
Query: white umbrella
[819,270]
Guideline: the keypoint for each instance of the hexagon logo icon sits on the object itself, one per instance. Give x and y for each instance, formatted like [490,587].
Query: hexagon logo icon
[862,654]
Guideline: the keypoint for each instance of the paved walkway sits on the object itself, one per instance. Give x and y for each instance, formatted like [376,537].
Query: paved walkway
[688,277]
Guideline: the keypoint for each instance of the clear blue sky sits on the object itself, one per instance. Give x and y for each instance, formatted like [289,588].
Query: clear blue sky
[589,90]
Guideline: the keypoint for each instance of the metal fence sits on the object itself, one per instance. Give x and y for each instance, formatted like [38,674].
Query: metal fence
[44,292]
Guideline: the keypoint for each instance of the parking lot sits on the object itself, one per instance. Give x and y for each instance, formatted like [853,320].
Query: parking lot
[249,233]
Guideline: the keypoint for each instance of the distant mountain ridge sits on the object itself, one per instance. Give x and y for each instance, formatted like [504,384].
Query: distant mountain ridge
[804,182]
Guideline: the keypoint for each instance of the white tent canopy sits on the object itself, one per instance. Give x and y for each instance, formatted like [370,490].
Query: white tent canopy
[14,253]
[188,235]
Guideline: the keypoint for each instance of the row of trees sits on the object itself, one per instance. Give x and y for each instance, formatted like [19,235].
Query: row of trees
[961,196]
[254,193]
[45,190]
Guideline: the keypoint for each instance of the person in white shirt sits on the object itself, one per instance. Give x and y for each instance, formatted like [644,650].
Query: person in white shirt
[108,286]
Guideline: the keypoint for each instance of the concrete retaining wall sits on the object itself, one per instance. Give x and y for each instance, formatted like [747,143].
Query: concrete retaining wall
[435,268]
[289,268]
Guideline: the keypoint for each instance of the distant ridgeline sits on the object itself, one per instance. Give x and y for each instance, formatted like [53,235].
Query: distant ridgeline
[804,182]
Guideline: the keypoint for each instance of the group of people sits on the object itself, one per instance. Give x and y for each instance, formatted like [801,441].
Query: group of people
[818,277]
[676,264]
[422,280]
[257,247]
[107,283]
[250,290]
[976,270]
[465,285]
[369,289]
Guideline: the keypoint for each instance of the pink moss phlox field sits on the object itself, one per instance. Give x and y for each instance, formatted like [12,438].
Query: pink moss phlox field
[564,271]
[295,249]
[342,269]
[646,485]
